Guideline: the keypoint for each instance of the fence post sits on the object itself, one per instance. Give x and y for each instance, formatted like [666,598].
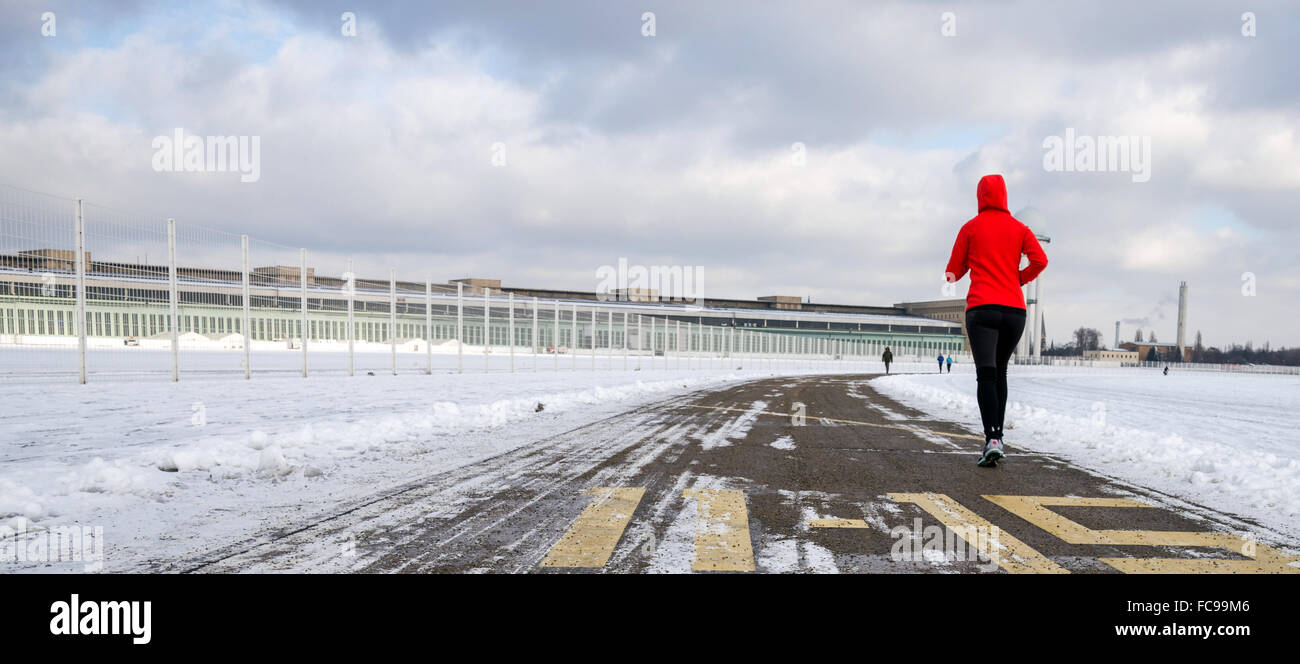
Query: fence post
[595,318]
[690,348]
[460,327]
[555,342]
[392,315]
[652,343]
[428,326]
[713,346]
[172,299]
[624,341]
[573,352]
[302,283]
[248,337]
[669,344]
[510,329]
[640,342]
[487,325]
[535,346]
[81,294]
[351,288]
[699,345]
[677,340]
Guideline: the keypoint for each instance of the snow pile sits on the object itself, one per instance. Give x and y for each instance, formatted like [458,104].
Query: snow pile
[1135,430]
[260,454]
[19,501]
[275,444]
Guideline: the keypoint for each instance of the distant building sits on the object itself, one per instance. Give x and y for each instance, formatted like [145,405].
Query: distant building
[1166,352]
[635,295]
[1112,355]
[476,286]
[949,310]
[783,301]
[131,300]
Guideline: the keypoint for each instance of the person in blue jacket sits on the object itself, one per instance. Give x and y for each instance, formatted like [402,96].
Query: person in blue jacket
[949,362]
[940,362]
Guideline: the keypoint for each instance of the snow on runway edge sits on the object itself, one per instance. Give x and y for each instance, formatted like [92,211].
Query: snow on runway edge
[172,469]
[1222,440]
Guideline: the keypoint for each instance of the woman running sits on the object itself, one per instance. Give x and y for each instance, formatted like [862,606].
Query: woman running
[989,246]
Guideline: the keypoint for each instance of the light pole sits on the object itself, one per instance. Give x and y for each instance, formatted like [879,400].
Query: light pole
[1035,337]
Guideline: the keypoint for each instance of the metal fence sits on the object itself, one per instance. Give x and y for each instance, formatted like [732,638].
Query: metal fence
[1173,366]
[89,291]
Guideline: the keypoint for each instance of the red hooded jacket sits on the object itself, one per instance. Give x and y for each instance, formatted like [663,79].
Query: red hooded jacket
[989,247]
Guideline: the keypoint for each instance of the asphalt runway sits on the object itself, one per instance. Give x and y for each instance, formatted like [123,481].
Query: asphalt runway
[777,475]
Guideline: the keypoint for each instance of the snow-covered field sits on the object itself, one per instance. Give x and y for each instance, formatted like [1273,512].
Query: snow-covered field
[170,469]
[173,468]
[110,362]
[1227,441]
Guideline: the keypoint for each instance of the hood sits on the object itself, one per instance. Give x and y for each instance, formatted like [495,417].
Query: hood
[992,193]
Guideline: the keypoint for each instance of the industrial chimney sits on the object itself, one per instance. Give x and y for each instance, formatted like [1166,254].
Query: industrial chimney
[1182,318]
[1116,346]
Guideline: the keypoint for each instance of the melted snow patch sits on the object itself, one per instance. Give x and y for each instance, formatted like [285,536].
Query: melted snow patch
[783,443]
[733,430]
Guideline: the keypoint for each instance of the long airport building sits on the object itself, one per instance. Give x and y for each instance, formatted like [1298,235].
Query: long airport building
[131,300]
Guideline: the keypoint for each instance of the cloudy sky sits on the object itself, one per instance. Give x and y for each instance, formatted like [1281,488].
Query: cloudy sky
[679,148]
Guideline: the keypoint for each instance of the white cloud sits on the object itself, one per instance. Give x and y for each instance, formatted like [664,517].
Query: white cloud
[382,152]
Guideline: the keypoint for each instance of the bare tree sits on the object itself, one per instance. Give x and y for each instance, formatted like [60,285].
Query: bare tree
[1087,338]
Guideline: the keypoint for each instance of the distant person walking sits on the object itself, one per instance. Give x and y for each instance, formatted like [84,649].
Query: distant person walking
[887,357]
[989,247]
[949,362]
[940,362]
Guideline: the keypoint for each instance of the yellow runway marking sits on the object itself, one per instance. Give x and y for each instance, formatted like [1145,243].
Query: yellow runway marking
[1263,559]
[837,523]
[1008,552]
[722,536]
[590,541]
[901,427]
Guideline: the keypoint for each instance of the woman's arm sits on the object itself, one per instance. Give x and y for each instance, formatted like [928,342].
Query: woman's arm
[957,263]
[1037,259]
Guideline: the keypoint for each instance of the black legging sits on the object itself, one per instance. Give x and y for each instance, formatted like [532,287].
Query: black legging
[993,330]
